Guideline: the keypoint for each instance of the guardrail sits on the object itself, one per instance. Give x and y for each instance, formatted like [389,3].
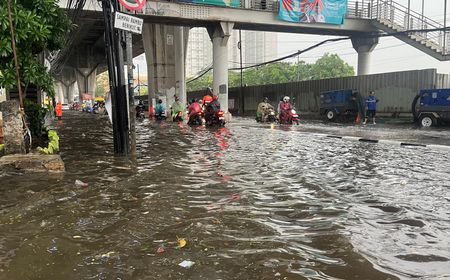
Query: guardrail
[402,18]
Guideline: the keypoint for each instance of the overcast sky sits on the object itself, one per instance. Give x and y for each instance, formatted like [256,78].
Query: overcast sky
[390,54]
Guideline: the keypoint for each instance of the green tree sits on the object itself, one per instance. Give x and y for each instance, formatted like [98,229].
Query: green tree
[39,25]
[328,66]
[331,66]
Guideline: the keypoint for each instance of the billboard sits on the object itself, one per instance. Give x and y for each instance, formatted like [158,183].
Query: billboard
[228,3]
[312,11]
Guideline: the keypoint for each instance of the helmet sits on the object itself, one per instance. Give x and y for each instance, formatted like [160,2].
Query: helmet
[286,99]
[159,101]
[266,99]
[193,100]
[209,89]
[215,97]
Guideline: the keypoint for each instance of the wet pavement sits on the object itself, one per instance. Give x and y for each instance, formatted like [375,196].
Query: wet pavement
[252,201]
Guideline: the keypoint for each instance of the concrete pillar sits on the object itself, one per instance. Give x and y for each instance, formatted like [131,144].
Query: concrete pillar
[219,36]
[159,45]
[364,47]
[180,77]
[86,78]
[59,92]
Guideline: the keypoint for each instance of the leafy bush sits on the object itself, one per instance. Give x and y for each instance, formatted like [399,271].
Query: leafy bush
[36,117]
[53,143]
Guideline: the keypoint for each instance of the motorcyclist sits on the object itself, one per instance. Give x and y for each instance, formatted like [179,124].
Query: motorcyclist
[262,111]
[140,109]
[177,107]
[211,109]
[285,109]
[208,98]
[159,109]
[194,108]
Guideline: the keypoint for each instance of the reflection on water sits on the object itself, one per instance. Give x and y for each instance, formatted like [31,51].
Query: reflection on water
[253,202]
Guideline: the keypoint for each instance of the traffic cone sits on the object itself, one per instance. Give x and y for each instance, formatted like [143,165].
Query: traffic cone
[358,119]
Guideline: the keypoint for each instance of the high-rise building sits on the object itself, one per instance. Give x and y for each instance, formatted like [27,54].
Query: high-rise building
[199,51]
[257,47]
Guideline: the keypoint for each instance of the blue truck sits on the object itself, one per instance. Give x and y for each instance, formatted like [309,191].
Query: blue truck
[340,103]
[431,107]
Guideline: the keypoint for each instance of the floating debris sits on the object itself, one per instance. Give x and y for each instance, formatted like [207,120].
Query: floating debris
[186,263]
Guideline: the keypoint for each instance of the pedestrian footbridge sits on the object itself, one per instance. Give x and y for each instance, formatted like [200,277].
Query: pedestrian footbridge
[364,22]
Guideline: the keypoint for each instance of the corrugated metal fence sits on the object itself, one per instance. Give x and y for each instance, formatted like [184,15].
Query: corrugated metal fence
[395,90]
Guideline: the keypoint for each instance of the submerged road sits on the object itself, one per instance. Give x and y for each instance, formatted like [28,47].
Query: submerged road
[252,201]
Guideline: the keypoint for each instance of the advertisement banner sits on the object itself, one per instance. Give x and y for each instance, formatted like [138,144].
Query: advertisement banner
[311,11]
[228,3]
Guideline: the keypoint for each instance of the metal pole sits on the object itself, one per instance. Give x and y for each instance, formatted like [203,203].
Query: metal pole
[242,77]
[445,27]
[16,63]
[423,12]
[409,13]
[119,106]
[139,82]
[131,108]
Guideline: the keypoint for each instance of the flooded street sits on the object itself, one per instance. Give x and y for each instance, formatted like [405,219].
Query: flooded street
[252,201]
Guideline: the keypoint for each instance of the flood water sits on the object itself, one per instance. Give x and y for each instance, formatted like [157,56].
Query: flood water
[252,201]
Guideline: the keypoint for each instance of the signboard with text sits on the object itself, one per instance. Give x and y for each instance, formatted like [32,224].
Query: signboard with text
[128,23]
[313,11]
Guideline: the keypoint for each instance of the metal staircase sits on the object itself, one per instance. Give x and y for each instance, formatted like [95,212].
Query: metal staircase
[392,17]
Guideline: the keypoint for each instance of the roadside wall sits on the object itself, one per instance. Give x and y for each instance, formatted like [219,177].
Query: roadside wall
[395,90]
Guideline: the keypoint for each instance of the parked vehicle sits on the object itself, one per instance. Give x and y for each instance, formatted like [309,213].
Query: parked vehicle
[345,103]
[431,107]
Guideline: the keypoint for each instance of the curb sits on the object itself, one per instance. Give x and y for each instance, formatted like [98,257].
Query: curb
[391,142]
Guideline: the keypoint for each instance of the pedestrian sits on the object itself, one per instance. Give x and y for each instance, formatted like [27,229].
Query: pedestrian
[371,107]
[58,110]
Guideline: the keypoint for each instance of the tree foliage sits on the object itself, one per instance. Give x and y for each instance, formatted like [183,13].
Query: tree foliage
[38,25]
[328,66]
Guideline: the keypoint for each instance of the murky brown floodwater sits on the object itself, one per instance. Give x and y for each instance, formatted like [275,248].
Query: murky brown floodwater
[251,201]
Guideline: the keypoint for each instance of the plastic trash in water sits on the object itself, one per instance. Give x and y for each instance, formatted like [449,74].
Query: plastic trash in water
[160,250]
[79,183]
[181,242]
[186,263]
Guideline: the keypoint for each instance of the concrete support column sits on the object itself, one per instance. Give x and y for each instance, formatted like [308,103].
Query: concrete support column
[180,77]
[364,47]
[86,78]
[219,36]
[159,45]
[59,92]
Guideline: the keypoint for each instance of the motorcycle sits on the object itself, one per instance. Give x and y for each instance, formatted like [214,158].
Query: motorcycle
[216,119]
[161,116]
[290,117]
[178,117]
[140,115]
[196,119]
[271,117]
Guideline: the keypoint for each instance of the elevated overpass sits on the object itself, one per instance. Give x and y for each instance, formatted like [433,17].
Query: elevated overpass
[85,51]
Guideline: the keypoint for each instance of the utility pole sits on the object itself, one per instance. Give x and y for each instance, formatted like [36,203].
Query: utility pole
[241,93]
[132,109]
[139,82]
[114,52]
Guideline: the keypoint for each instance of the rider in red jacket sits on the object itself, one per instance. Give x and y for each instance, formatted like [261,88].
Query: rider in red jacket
[194,108]
[285,108]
